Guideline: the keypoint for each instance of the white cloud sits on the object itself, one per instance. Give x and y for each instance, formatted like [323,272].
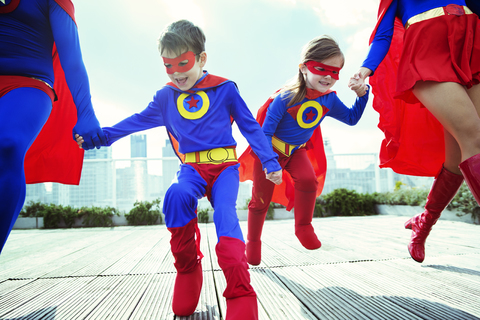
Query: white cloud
[344,12]
[186,9]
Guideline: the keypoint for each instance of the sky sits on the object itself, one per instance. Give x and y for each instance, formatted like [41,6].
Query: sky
[255,43]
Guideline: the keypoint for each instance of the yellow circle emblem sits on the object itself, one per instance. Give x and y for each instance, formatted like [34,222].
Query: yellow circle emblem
[193,108]
[309,114]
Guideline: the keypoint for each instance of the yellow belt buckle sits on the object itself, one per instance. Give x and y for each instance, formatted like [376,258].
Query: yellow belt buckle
[429,14]
[212,156]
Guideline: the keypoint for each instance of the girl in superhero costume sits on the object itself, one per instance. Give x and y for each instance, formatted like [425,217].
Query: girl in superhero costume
[40,60]
[197,109]
[291,121]
[428,95]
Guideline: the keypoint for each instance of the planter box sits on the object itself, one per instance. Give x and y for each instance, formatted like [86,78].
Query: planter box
[28,223]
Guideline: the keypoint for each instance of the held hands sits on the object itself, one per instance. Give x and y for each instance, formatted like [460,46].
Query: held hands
[358,85]
[357,82]
[275,176]
[89,128]
[79,140]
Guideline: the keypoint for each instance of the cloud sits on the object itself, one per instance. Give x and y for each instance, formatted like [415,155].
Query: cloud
[342,13]
[187,9]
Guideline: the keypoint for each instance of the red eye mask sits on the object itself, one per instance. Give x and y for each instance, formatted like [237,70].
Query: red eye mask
[176,65]
[312,66]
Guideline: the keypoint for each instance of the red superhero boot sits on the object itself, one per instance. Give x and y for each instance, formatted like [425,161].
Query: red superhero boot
[443,190]
[255,223]
[471,172]
[188,283]
[304,205]
[241,298]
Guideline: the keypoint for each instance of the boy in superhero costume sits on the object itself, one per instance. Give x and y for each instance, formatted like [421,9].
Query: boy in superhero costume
[291,121]
[40,59]
[426,59]
[197,109]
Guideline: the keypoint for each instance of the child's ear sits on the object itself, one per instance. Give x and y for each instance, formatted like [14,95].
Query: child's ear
[302,68]
[203,58]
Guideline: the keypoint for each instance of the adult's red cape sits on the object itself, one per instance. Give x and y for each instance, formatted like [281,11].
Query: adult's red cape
[284,193]
[54,156]
[414,140]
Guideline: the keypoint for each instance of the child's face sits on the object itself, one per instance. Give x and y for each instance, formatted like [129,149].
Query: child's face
[318,82]
[182,78]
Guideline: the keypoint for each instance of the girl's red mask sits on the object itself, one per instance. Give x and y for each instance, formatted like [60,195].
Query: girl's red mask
[312,66]
[177,64]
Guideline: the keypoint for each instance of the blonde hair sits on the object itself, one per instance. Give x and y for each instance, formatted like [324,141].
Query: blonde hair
[318,49]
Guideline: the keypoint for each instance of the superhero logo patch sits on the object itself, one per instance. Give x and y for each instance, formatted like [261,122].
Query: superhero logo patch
[309,114]
[193,106]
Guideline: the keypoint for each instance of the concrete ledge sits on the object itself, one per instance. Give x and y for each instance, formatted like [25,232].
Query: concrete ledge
[410,211]
[28,223]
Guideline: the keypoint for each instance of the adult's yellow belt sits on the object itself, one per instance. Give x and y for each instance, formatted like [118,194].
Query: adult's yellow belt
[212,156]
[437,12]
[283,147]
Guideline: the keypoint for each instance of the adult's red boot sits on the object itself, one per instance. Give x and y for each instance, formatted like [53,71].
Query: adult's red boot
[241,298]
[444,188]
[255,223]
[185,246]
[471,172]
[304,206]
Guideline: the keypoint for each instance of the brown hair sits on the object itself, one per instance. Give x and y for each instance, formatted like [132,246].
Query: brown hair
[318,49]
[181,36]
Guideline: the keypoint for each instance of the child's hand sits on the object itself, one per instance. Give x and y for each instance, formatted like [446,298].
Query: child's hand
[358,85]
[79,140]
[275,176]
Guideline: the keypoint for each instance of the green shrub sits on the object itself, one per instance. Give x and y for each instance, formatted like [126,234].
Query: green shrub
[144,213]
[53,215]
[270,211]
[202,215]
[98,217]
[403,196]
[346,202]
[466,203]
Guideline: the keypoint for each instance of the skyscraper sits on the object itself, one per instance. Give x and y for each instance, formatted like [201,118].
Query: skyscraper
[169,167]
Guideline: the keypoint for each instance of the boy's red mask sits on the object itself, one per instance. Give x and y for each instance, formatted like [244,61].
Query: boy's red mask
[312,66]
[176,64]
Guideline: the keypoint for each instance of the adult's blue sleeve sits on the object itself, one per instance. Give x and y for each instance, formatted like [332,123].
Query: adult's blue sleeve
[66,39]
[382,40]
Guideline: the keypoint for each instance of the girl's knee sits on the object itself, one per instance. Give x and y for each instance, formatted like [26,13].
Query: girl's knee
[309,184]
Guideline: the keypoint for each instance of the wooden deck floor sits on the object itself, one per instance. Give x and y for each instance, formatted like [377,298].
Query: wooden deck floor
[362,271]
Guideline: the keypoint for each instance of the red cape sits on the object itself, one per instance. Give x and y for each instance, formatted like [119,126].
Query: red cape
[414,141]
[284,193]
[54,156]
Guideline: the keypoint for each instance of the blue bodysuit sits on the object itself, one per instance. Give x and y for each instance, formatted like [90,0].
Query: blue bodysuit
[200,119]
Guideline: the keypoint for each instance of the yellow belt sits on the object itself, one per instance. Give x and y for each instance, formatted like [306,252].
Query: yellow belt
[283,147]
[432,13]
[212,156]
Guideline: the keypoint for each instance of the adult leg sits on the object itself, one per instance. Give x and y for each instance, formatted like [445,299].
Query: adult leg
[451,105]
[444,188]
[179,207]
[470,167]
[23,112]
[257,211]
[303,175]
[230,249]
